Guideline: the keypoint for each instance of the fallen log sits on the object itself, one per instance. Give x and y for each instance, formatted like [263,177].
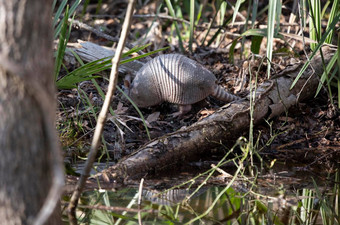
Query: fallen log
[273,97]
[90,52]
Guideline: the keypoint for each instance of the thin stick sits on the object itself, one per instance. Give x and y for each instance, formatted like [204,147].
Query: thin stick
[102,116]
[140,191]
[77,23]
[140,201]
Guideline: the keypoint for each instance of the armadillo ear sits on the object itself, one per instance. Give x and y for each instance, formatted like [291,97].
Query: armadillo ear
[127,81]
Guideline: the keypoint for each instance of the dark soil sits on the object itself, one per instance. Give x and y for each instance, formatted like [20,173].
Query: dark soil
[307,135]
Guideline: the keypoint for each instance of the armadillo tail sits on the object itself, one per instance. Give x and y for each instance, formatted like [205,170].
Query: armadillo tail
[223,95]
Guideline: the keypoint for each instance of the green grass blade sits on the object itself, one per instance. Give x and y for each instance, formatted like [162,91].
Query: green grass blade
[334,11]
[256,44]
[192,21]
[324,76]
[338,98]
[86,3]
[231,50]
[172,13]
[236,9]
[256,32]
[338,61]
[100,91]
[144,55]
[270,34]
[302,11]
[58,13]
[221,11]
[135,49]
[307,206]
[278,14]
[102,95]
[74,6]
[86,71]
[63,39]
[325,7]
[254,12]
[217,197]
[71,11]
[315,22]
[178,10]
[138,111]
[54,3]
[208,31]
[99,5]
[323,38]
[76,56]
[93,111]
[83,73]
[209,28]
[199,14]
[339,54]
[214,37]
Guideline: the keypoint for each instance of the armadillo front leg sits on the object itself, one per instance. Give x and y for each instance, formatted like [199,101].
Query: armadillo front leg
[183,109]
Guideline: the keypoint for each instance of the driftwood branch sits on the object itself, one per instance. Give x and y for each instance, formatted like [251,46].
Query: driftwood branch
[77,23]
[90,52]
[273,97]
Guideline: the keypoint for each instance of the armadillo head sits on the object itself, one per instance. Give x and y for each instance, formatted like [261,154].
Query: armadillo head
[143,92]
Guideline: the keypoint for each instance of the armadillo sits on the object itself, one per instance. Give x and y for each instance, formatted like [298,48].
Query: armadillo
[176,79]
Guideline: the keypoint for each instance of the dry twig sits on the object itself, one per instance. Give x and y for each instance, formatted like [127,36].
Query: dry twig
[102,116]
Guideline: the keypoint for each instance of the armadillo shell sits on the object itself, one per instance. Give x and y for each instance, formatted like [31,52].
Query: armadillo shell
[173,78]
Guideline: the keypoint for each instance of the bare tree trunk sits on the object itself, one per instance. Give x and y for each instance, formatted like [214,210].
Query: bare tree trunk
[28,146]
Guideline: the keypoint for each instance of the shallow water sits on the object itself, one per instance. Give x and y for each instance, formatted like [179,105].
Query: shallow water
[285,194]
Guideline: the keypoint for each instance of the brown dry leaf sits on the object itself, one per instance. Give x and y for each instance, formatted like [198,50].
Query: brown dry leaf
[153,117]
[120,109]
[207,112]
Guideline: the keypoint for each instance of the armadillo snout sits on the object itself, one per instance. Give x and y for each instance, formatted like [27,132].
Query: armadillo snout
[143,94]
